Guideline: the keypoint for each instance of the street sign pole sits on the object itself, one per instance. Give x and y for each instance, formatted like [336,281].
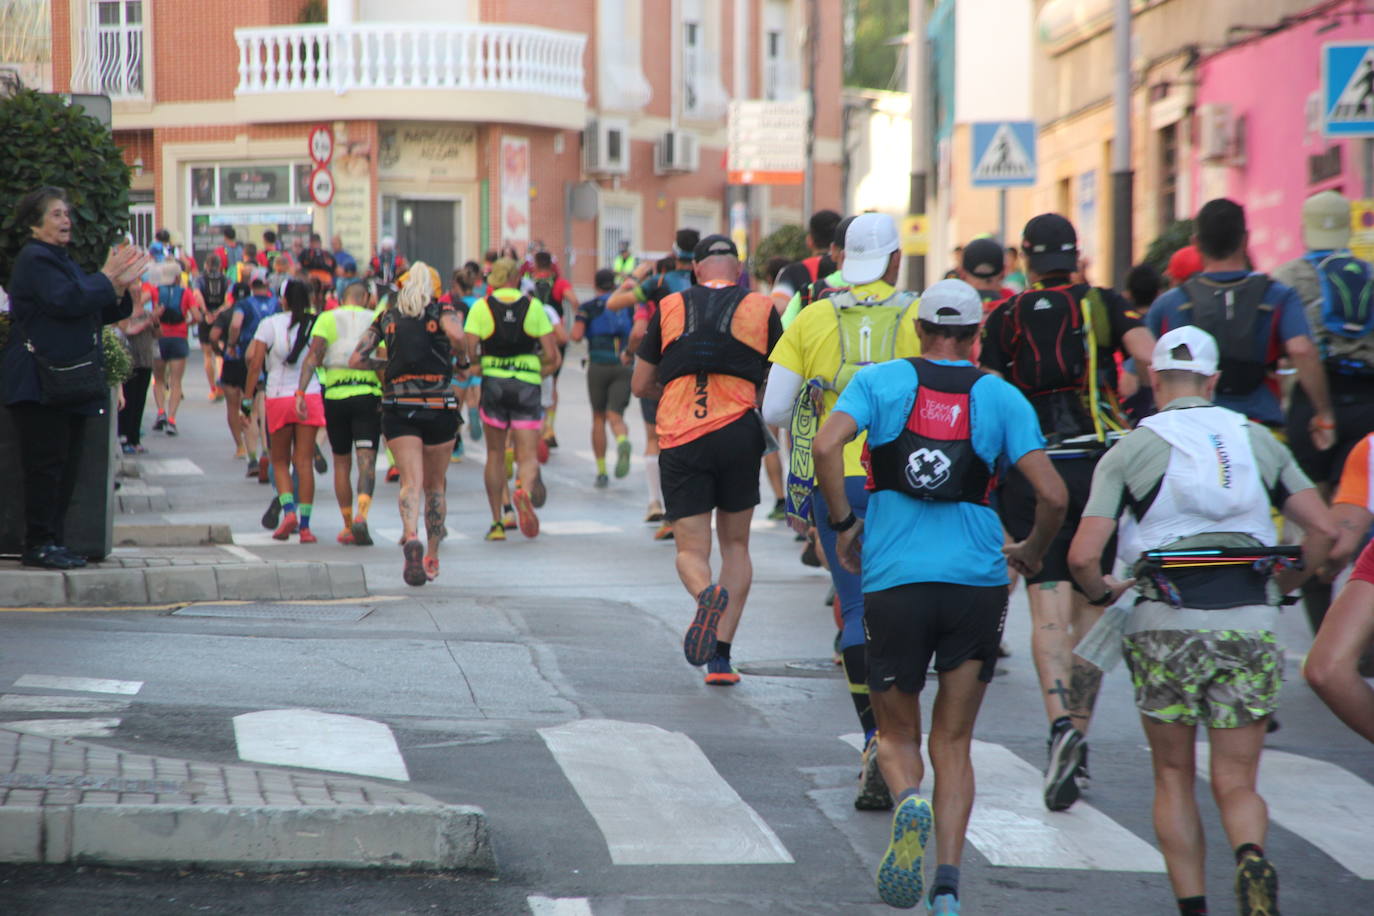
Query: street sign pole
[1002,216]
[920,133]
[1123,179]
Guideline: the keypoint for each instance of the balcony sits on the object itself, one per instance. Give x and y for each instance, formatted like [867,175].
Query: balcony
[502,73]
[109,58]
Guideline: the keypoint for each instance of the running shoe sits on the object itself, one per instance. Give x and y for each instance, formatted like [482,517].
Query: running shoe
[308,536]
[873,793]
[457,455]
[622,458]
[539,494]
[664,532]
[542,451]
[264,470]
[524,511]
[602,481]
[552,440]
[272,516]
[1081,775]
[321,466]
[414,570]
[699,645]
[346,537]
[128,449]
[287,527]
[171,428]
[216,395]
[240,452]
[1066,750]
[497,532]
[393,474]
[944,905]
[475,424]
[252,468]
[1257,887]
[901,880]
[431,568]
[361,536]
[655,512]
[809,555]
[508,516]
[779,511]
[720,673]
[161,422]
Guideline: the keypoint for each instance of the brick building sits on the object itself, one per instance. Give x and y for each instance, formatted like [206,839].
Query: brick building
[458,126]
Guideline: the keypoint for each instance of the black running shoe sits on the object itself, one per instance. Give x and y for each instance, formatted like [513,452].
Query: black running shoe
[1066,750]
[1257,887]
[272,516]
[321,466]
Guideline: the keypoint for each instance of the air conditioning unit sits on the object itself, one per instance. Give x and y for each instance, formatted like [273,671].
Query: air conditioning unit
[677,151]
[606,147]
[1215,132]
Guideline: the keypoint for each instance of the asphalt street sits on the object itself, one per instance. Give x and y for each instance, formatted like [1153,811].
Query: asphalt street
[544,681]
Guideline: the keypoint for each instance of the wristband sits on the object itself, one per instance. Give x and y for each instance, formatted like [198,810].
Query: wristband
[1105,600]
[844,525]
[1323,424]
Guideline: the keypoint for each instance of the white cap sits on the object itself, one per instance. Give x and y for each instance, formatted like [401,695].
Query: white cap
[951,302]
[1189,348]
[868,244]
[388,243]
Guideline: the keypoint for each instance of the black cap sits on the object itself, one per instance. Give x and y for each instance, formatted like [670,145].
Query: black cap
[1050,244]
[983,258]
[714,245]
[258,281]
[605,278]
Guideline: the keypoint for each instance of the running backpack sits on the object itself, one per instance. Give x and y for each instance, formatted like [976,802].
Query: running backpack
[1230,312]
[1347,310]
[169,297]
[416,346]
[508,338]
[214,289]
[543,291]
[349,324]
[868,331]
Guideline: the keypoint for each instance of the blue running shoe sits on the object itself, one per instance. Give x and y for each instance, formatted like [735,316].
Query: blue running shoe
[945,905]
[901,881]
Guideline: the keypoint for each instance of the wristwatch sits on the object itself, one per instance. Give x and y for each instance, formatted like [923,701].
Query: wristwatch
[848,522]
[1105,600]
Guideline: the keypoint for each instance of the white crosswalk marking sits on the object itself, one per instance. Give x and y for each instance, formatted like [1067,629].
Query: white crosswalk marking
[85,684]
[1323,803]
[559,906]
[66,728]
[657,799]
[153,468]
[578,526]
[1010,825]
[15,702]
[319,741]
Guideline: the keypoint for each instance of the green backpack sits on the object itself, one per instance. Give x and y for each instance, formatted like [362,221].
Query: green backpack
[868,331]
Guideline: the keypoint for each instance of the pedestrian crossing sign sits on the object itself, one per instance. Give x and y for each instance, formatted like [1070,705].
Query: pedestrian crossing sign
[1348,89]
[1003,154]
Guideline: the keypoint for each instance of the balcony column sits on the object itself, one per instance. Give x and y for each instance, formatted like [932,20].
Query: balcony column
[341,13]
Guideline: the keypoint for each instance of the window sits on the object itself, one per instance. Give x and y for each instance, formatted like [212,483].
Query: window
[780,79]
[703,97]
[617,226]
[141,224]
[621,85]
[691,68]
[117,42]
[1168,176]
[699,214]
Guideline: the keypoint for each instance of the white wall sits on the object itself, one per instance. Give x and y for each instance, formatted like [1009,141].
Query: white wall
[415,11]
[992,60]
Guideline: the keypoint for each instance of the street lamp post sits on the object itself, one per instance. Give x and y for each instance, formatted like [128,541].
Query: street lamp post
[1123,180]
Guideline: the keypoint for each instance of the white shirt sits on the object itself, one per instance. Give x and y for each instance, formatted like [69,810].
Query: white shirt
[276,333]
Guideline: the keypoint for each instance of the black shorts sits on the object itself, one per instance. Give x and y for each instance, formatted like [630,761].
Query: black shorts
[234,373]
[354,422]
[509,403]
[907,625]
[608,387]
[203,333]
[170,348]
[648,409]
[1352,399]
[433,426]
[1016,505]
[719,470]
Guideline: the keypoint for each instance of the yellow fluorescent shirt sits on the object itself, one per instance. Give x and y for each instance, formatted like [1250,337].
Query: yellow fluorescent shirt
[810,347]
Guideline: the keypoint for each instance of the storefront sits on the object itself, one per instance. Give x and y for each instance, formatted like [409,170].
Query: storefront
[253,197]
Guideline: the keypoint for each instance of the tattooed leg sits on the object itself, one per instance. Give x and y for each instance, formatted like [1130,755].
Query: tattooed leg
[367,471]
[436,508]
[1084,683]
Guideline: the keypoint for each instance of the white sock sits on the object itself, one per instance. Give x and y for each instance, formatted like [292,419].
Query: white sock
[651,475]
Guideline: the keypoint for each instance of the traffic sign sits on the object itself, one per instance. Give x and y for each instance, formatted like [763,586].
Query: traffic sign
[915,235]
[767,142]
[322,186]
[321,144]
[1348,89]
[1003,154]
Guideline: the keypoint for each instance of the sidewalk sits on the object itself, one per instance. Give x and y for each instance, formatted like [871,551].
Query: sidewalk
[69,801]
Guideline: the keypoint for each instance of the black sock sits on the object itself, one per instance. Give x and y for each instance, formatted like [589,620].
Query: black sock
[1245,849]
[722,649]
[1192,906]
[856,670]
[946,881]
[1058,725]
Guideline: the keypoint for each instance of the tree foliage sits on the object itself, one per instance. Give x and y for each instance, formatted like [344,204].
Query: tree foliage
[1178,235]
[870,55]
[48,142]
[788,242]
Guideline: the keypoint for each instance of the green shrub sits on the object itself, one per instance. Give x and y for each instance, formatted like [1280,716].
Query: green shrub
[1178,235]
[788,242]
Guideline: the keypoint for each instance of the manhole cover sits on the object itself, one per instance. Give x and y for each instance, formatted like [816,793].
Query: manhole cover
[792,667]
[325,613]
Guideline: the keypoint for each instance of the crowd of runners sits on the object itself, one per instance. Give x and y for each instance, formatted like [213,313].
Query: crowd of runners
[1161,467]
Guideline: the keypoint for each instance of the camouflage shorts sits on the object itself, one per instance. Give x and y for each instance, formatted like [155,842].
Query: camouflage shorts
[1213,678]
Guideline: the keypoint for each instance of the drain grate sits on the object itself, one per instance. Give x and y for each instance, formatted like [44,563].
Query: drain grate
[319,613]
[792,667]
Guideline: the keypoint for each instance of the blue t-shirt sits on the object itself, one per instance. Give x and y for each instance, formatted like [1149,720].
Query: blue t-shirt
[345,260]
[1288,320]
[607,330]
[910,540]
[254,309]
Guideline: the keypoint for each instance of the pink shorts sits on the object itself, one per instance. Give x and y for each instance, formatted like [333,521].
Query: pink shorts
[281,412]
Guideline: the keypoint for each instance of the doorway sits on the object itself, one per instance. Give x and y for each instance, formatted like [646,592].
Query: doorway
[428,230]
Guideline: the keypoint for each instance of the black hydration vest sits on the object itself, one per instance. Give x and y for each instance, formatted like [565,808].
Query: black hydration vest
[933,458]
[706,346]
[509,339]
[215,289]
[1229,312]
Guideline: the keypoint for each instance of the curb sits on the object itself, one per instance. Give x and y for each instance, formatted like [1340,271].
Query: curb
[159,585]
[171,535]
[259,838]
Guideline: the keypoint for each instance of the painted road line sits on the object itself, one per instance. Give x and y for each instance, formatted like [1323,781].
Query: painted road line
[168,467]
[578,526]
[319,741]
[84,684]
[65,728]
[393,535]
[1011,827]
[247,556]
[16,702]
[1321,802]
[657,799]
[559,906]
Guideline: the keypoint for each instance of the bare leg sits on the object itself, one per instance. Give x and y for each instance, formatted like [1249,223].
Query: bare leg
[280,446]
[436,459]
[409,455]
[160,385]
[1332,667]
[692,541]
[176,370]
[951,735]
[736,569]
[1177,821]
[599,434]
[617,421]
[899,752]
[343,486]
[526,457]
[304,459]
[211,369]
[1235,772]
[1053,636]
[233,408]
[494,475]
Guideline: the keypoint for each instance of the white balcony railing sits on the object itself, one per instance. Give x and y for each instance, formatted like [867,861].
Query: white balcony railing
[385,56]
[110,61]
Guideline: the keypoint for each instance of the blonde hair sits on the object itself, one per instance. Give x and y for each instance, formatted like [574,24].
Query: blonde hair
[167,273]
[503,273]
[416,294]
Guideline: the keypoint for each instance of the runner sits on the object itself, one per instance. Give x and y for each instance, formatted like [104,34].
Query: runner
[818,354]
[817,289]
[984,268]
[1199,641]
[937,428]
[247,314]
[466,386]
[352,405]
[1333,665]
[177,306]
[544,283]
[705,354]
[1057,343]
[213,287]
[518,348]
[419,411]
[608,374]
[229,373]
[279,340]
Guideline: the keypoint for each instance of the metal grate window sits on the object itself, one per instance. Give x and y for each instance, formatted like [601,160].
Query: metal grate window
[141,224]
[617,225]
[118,42]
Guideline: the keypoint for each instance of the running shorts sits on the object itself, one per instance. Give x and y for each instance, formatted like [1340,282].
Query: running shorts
[1353,402]
[354,422]
[281,412]
[1016,505]
[433,426]
[170,348]
[234,373]
[508,403]
[608,387]
[719,470]
[905,626]
[648,409]
[1212,678]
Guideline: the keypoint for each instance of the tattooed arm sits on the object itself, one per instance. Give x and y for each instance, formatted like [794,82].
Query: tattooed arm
[363,355]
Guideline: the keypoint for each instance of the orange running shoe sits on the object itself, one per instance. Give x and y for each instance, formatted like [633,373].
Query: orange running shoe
[524,513]
[308,537]
[287,527]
